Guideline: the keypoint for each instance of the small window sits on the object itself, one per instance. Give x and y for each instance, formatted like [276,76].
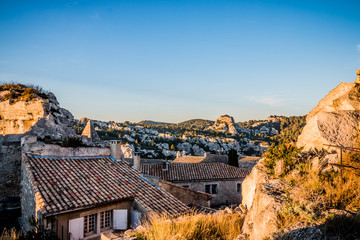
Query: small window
[211,188]
[105,220]
[238,187]
[90,224]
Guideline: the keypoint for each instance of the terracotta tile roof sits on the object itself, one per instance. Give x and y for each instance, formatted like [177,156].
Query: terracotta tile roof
[194,171]
[200,159]
[189,159]
[74,183]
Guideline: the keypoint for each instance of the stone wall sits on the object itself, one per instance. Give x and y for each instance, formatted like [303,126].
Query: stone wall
[10,163]
[28,201]
[42,149]
[186,195]
[227,191]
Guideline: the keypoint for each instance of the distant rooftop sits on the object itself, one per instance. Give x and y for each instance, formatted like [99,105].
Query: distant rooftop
[205,159]
[194,171]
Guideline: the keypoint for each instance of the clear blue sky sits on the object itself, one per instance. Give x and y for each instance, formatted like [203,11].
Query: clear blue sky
[177,60]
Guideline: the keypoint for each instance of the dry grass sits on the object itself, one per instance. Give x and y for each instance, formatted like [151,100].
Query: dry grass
[315,193]
[9,234]
[192,226]
[21,92]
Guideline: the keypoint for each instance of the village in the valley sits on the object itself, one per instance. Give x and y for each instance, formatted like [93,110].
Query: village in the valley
[179,120]
[79,186]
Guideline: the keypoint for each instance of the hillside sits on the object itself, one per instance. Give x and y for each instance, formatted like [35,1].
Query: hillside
[193,124]
[197,136]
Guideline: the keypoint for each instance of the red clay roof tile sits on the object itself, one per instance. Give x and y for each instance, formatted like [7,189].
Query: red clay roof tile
[74,183]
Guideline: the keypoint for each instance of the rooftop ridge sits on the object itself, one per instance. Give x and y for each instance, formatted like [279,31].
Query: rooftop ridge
[71,157]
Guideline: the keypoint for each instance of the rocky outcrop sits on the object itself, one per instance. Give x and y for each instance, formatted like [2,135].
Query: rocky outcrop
[19,117]
[40,116]
[264,198]
[225,123]
[90,133]
[335,120]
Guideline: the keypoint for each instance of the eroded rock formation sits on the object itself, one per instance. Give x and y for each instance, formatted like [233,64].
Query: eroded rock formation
[225,123]
[335,120]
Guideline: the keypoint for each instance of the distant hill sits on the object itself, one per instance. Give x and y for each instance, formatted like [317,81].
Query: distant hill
[196,123]
[149,122]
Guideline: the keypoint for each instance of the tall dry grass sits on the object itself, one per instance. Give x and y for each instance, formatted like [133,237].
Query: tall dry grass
[315,193]
[191,226]
[11,234]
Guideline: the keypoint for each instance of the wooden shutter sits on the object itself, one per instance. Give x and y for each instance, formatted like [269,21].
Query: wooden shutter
[76,228]
[120,219]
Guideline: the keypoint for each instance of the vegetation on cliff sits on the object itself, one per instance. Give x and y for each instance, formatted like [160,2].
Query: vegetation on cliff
[20,92]
[318,194]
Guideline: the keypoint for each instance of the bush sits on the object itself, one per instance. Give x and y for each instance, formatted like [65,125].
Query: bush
[21,92]
[283,152]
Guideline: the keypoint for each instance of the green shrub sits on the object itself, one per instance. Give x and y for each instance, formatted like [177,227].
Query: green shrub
[283,152]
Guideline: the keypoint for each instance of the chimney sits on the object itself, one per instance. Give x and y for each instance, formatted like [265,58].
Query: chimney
[136,158]
[178,154]
[115,149]
[165,166]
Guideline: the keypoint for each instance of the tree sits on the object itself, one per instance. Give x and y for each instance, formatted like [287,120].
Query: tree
[233,158]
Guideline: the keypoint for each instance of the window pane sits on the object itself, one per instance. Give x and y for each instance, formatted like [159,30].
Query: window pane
[90,224]
[105,218]
[207,188]
[214,189]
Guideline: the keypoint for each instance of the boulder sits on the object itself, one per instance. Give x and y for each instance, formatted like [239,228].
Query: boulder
[279,168]
[335,120]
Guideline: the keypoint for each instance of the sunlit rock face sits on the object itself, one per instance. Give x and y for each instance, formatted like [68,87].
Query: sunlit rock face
[24,111]
[335,120]
[225,123]
[19,117]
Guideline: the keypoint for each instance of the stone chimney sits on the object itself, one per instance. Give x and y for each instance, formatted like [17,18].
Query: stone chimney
[136,158]
[115,149]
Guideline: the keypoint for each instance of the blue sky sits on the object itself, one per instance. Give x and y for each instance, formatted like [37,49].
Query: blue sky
[177,60]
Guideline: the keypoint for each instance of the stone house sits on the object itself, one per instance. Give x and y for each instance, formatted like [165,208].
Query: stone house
[220,180]
[82,197]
